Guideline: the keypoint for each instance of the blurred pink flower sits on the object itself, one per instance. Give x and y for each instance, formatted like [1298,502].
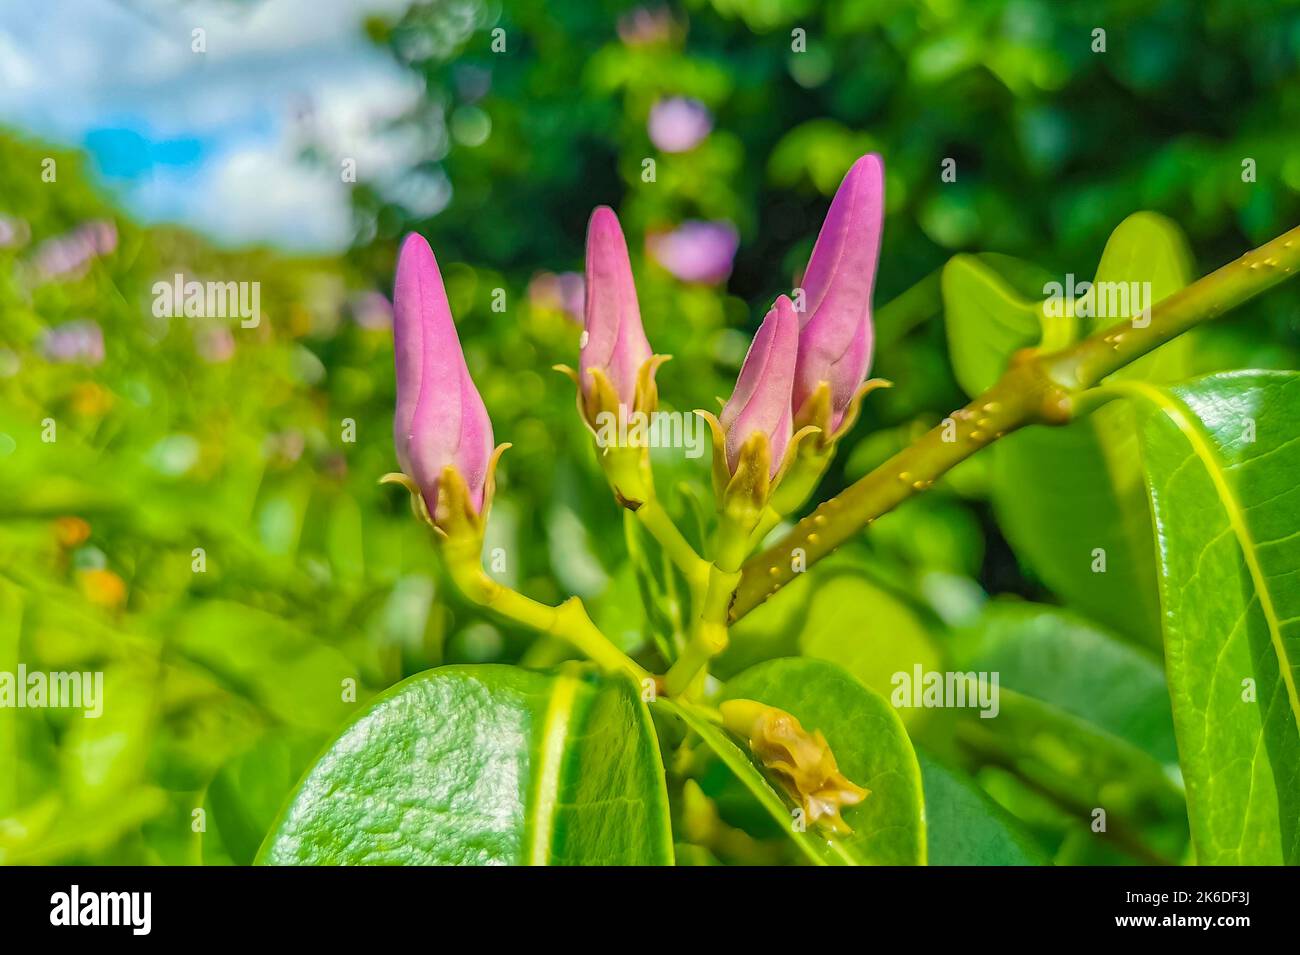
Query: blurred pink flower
[80,342]
[284,447]
[372,310]
[644,26]
[558,293]
[70,254]
[13,232]
[696,251]
[214,345]
[678,124]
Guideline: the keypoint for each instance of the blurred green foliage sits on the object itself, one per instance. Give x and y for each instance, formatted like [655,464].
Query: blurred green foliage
[201,434]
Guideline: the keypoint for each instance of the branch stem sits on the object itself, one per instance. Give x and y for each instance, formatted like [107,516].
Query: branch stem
[1036,389]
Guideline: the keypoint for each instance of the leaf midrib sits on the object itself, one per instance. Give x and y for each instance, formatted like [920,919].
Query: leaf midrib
[555,734]
[1214,468]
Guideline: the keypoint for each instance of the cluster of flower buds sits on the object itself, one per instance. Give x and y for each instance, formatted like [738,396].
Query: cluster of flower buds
[803,381]
[798,391]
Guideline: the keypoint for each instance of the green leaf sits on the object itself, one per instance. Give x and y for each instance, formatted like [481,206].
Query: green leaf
[869,632]
[1069,662]
[480,765]
[1083,718]
[293,675]
[992,309]
[1070,498]
[965,827]
[1222,455]
[1071,503]
[868,741]
[839,614]
[816,848]
[246,794]
[1083,769]
[1145,247]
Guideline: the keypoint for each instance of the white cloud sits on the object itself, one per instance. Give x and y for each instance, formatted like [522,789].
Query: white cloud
[258,191]
[275,75]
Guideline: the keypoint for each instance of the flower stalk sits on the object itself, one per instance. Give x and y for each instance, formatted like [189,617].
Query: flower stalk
[656,520]
[569,621]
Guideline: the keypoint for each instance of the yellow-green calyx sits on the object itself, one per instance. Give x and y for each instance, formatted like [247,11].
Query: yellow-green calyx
[454,516]
[743,494]
[621,434]
[816,411]
[803,763]
[806,468]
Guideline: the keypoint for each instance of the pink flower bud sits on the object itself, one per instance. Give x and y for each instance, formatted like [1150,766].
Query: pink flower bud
[614,342]
[761,401]
[440,419]
[835,326]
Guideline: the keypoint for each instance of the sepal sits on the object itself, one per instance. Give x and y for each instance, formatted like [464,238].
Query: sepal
[603,397]
[455,515]
[816,410]
[746,493]
[418,507]
[626,467]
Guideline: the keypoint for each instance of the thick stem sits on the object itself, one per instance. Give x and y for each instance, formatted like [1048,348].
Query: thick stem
[1036,389]
[569,621]
[709,631]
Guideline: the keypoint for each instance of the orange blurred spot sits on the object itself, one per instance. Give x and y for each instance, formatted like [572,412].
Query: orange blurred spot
[90,399]
[103,588]
[300,321]
[71,531]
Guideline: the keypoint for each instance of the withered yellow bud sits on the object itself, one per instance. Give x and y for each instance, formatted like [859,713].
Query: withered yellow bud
[801,762]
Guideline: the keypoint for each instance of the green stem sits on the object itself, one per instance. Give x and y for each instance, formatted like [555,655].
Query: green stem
[771,517]
[656,520]
[709,631]
[569,621]
[1036,389]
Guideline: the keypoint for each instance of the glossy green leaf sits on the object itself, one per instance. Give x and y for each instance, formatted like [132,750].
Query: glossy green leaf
[1072,500]
[1222,455]
[869,743]
[963,826]
[485,765]
[992,309]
